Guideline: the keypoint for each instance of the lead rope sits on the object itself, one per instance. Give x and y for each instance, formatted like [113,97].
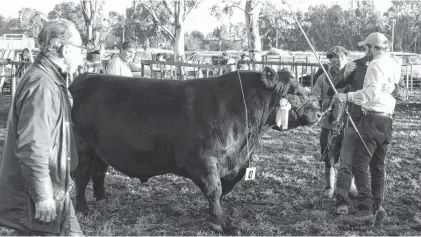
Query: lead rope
[247,123]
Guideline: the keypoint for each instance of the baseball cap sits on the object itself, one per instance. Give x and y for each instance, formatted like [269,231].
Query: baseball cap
[375,39]
[336,50]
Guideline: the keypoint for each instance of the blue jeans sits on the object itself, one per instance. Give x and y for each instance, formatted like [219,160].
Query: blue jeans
[376,132]
[344,180]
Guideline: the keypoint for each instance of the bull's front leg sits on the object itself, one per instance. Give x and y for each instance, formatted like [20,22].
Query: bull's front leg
[99,170]
[209,182]
[82,177]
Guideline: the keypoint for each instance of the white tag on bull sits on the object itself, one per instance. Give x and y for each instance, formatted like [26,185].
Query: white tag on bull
[250,173]
[282,114]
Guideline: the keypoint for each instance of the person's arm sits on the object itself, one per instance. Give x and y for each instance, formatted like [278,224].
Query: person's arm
[38,113]
[317,88]
[372,86]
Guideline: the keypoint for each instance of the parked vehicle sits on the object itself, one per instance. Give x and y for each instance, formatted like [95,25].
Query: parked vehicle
[411,67]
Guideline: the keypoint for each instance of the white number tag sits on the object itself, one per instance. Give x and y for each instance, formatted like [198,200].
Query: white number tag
[250,173]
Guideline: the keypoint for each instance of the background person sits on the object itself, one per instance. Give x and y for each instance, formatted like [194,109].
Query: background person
[119,63]
[331,134]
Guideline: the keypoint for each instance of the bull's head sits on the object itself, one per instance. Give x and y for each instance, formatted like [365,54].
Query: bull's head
[304,107]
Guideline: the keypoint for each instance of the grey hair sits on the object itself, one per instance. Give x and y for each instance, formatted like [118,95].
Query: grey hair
[53,35]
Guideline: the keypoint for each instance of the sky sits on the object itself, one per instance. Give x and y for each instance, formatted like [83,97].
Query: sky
[198,20]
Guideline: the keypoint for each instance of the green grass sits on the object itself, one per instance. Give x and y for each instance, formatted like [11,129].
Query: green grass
[285,199]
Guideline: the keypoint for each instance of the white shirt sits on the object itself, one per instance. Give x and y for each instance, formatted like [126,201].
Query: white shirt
[382,70]
[117,66]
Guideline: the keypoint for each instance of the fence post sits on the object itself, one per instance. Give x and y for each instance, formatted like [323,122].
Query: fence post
[412,79]
[2,77]
[13,81]
[407,78]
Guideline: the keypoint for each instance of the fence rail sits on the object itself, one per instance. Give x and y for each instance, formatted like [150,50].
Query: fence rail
[303,71]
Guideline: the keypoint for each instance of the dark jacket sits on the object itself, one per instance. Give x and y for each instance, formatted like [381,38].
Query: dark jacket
[36,161]
[321,89]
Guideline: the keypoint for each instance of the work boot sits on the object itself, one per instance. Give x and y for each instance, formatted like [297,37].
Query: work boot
[330,182]
[362,217]
[353,192]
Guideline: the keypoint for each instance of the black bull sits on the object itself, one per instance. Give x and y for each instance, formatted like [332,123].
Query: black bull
[195,128]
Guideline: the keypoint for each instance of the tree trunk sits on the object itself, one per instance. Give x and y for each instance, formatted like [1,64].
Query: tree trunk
[88,10]
[179,35]
[277,38]
[252,11]
[89,29]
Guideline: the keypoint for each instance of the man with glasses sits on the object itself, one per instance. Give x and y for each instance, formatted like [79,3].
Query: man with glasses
[375,128]
[39,151]
[331,134]
[119,63]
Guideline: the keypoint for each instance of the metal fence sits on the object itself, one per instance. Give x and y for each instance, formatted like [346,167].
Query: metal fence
[302,70]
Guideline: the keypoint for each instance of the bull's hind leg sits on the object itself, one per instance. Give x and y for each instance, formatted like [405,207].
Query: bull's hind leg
[82,176]
[228,183]
[99,169]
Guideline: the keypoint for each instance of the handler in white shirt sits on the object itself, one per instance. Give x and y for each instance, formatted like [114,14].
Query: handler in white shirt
[375,127]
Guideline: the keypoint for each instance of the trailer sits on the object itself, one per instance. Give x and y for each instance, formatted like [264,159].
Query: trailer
[16,41]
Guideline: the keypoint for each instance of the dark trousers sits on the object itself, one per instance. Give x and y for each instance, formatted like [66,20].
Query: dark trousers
[376,132]
[335,144]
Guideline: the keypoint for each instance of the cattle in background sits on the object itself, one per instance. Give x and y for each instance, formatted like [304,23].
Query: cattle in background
[195,129]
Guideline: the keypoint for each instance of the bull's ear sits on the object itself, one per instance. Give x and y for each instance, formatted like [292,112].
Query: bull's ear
[270,77]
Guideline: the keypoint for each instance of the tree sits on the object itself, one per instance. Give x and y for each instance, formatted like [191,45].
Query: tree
[194,41]
[71,12]
[408,24]
[29,22]
[179,13]
[251,10]
[113,30]
[89,10]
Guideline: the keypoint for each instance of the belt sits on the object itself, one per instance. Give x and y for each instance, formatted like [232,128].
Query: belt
[374,113]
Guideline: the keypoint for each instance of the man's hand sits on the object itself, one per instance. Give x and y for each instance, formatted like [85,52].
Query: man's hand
[349,67]
[45,211]
[340,97]
[388,88]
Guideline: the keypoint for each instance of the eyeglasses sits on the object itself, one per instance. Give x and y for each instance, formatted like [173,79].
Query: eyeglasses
[81,47]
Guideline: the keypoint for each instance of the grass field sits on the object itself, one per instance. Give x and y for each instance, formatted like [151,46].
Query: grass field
[285,199]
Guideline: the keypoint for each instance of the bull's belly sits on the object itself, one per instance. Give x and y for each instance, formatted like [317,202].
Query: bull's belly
[136,161]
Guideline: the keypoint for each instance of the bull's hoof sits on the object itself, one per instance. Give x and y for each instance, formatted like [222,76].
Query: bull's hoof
[216,227]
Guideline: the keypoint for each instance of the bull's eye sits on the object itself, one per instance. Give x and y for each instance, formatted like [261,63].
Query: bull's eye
[283,102]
